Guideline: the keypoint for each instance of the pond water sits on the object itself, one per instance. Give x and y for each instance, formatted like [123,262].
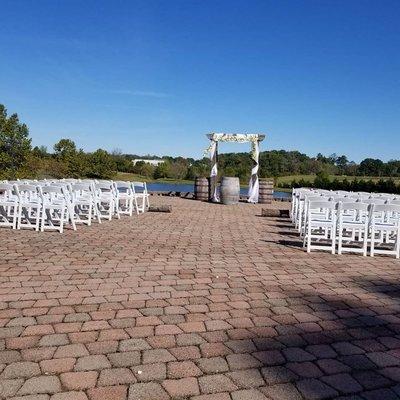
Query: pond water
[187,187]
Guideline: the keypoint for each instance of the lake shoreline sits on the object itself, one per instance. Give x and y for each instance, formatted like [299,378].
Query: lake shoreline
[189,188]
[184,185]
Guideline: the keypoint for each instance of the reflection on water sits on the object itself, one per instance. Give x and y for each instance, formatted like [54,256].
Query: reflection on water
[187,187]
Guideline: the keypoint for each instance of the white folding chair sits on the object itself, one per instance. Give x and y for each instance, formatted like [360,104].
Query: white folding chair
[125,197]
[54,208]
[29,206]
[83,203]
[68,198]
[106,200]
[385,229]
[8,206]
[352,223]
[299,207]
[320,226]
[140,193]
[303,220]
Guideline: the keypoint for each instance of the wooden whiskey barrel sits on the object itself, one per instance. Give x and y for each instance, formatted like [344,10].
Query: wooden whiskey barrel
[266,191]
[201,189]
[230,190]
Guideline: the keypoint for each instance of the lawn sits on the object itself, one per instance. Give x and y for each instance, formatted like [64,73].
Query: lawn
[289,178]
[126,176]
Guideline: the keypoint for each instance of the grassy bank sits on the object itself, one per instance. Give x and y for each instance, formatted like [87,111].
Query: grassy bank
[125,176]
[287,180]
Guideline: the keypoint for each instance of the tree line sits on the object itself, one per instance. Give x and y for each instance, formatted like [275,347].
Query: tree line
[356,184]
[18,159]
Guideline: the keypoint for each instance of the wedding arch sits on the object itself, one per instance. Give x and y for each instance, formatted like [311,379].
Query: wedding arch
[212,150]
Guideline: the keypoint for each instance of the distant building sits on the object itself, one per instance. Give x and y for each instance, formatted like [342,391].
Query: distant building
[151,162]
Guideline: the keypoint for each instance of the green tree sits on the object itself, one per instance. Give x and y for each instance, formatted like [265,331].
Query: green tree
[162,170]
[40,151]
[322,180]
[122,161]
[371,167]
[101,165]
[72,161]
[341,163]
[144,168]
[65,149]
[15,145]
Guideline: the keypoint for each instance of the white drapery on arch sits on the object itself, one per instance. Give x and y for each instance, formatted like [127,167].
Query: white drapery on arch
[212,150]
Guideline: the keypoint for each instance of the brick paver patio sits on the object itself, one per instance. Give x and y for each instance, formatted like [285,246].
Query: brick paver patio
[207,303]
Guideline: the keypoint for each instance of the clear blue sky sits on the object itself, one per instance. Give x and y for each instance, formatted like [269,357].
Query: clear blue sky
[155,76]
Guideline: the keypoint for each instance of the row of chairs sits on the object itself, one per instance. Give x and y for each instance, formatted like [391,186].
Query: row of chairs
[350,222]
[50,204]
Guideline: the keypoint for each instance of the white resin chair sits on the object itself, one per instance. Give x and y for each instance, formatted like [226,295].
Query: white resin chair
[352,223]
[385,231]
[83,203]
[29,206]
[141,195]
[54,208]
[125,198]
[105,198]
[8,206]
[320,226]
[304,217]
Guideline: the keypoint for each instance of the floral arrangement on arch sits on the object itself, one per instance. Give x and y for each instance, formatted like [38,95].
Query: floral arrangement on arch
[236,138]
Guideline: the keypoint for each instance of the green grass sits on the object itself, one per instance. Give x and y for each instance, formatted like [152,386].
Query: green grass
[126,176]
[288,179]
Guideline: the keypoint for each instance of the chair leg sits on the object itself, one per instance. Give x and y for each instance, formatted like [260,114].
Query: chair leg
[143,203]
[372,242]
[43,219]
[19,217]
[90,215]
[136,206]
[70,211]
[365,241]
[117,210]
[340,239]
[15,216]
[63,212]
[97,212]
[37,222]
[300,221]
[110,210]
[130,207]
[309,239]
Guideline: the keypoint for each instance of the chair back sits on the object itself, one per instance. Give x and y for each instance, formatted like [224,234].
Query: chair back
[321,205]
[6,190]
[123,185]
[385,208]
[353,206]
[103,185]
[26,192]
[81,187]
[5,187]
[374,201]
[141,186]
